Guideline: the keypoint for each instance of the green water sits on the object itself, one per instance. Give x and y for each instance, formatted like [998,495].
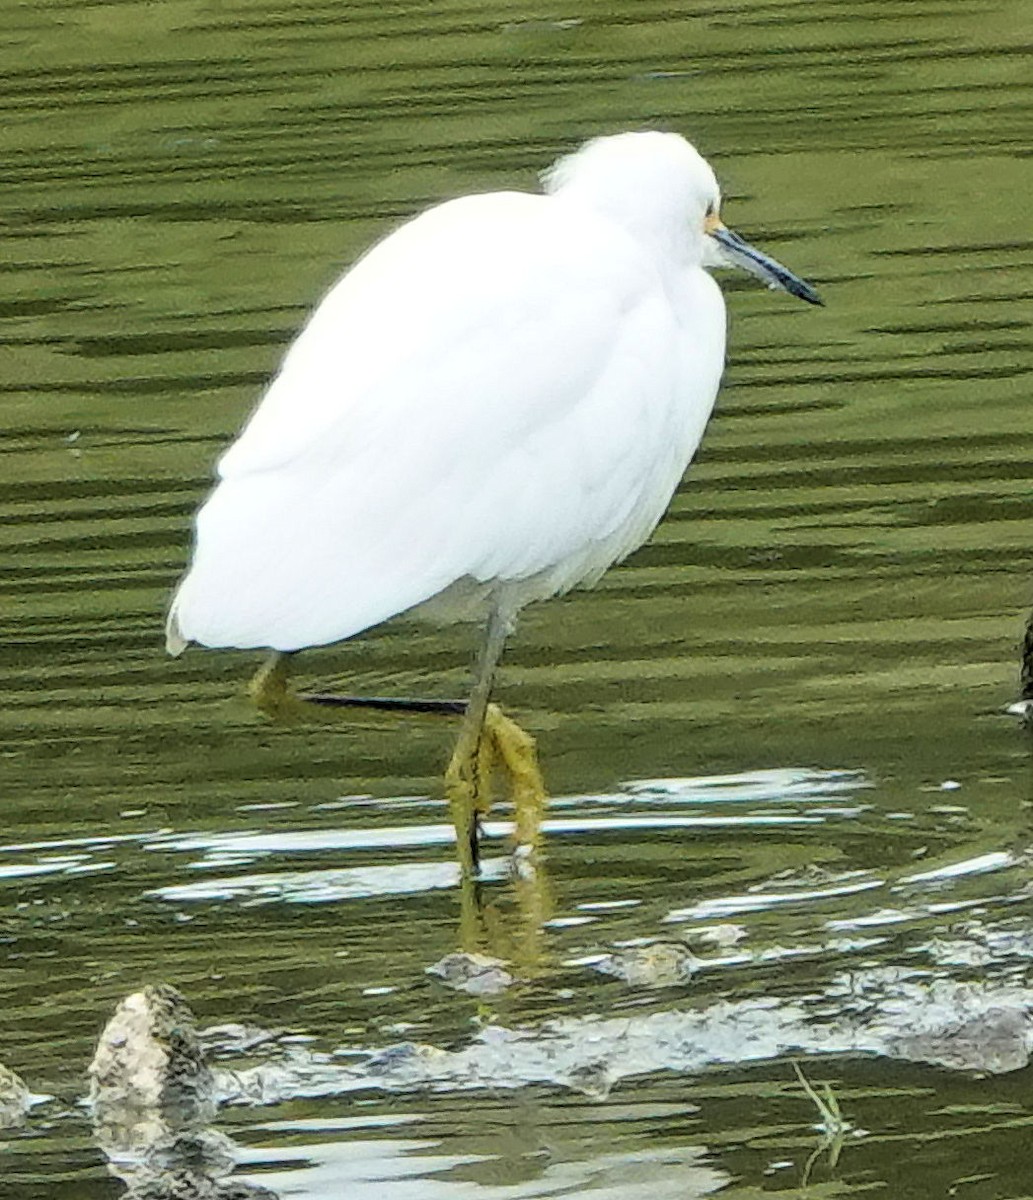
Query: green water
[841,584]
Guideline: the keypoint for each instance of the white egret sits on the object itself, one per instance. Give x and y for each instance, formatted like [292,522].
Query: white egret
[492,406]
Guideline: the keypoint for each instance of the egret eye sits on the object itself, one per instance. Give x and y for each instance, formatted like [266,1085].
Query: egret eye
[711,219]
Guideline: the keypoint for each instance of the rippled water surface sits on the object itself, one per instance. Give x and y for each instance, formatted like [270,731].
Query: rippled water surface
[790,819]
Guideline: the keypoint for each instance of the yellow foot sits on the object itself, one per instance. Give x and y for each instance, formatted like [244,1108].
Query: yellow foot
[503,746]
[270,694]
[514,750]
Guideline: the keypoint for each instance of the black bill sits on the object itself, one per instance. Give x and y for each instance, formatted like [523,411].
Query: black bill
[740,253]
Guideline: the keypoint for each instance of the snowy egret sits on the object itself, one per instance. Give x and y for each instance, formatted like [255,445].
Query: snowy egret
[492,406]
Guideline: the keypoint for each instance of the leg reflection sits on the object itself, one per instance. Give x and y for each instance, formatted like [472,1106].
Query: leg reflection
[507,922]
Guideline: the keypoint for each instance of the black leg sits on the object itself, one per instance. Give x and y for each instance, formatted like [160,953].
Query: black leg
[385,703]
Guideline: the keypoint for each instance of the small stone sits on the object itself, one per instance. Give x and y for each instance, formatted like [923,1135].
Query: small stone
[656,965]
[475,974]
[149,1056]
[14,1098]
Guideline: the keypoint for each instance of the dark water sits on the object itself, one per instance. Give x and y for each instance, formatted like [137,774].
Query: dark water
[810,660]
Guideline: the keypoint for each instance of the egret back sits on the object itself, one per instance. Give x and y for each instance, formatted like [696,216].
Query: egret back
[506,390]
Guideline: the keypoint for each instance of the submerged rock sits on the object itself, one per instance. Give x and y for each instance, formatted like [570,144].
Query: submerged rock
[963,1026]
[983,1028]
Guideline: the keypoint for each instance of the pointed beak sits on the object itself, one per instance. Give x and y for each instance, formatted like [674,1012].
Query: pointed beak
[736,252]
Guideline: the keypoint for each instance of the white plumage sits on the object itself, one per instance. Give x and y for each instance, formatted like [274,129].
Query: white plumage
[493,405]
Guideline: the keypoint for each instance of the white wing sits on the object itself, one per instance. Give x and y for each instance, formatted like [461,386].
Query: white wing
[496,391]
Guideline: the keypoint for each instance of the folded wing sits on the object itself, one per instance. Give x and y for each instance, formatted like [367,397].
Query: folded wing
[494,392]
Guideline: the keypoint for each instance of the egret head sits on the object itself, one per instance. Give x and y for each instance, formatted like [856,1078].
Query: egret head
[655,185]
[660,189]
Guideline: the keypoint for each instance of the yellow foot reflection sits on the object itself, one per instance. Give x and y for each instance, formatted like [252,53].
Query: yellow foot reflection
[507,922]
